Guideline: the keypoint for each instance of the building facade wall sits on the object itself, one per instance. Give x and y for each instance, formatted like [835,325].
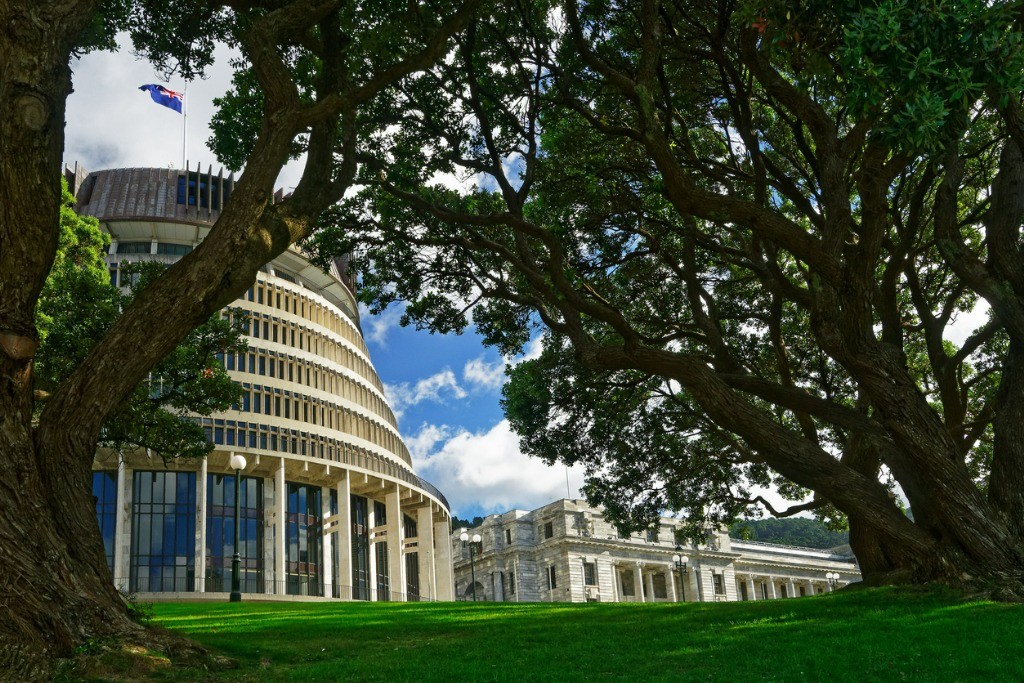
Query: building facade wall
[313,424]
[561,539]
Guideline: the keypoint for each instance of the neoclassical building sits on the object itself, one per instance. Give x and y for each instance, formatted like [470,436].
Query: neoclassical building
[567,552]
[329,503]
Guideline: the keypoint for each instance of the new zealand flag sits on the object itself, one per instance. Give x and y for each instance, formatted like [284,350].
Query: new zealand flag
[162,95]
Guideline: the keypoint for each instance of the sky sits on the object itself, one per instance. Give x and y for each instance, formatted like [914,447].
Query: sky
[443,389]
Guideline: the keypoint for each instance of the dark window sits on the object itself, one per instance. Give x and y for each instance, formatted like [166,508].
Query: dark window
[719,582]
[512,583]
[163,532]
[383,575]
[508,536]
[104,494]
[652,535]
[549,529]
[220,533]
[590,573]
[380,513]
[303,524]
[552,579]
[173,249]
[360,549]
[134,247]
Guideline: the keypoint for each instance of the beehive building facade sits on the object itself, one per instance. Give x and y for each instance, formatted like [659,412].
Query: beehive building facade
[330,506]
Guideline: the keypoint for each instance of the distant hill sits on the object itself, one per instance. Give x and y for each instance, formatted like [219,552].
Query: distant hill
[809,533]
[466,523]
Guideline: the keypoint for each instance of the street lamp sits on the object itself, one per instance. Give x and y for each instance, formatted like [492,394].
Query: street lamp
[833,579]
[237,463]
[681,561]
[464,537]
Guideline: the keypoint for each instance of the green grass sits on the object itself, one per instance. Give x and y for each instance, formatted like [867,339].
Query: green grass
[865,635]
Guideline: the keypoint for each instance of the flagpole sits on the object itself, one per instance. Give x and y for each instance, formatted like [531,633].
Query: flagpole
[184,127]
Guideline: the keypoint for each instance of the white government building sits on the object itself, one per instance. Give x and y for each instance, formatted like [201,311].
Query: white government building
[567,552]
[329,504]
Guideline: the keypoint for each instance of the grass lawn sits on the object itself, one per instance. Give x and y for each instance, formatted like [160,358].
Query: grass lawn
[882,634]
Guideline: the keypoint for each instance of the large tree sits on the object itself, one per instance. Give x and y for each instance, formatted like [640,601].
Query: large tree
[309,72]
[746,231]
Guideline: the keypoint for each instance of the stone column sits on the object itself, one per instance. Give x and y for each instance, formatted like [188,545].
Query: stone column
[828,586]
[268,526]
[650,586]
[343,577]
[280,508]
[200,548]
[693,586]
[425,552]
[752,589]
[443,562]
[371,522]
[638,586]
[670,581]
[396,556]
[327,559]
[791,588]
[773,593]
[123,526]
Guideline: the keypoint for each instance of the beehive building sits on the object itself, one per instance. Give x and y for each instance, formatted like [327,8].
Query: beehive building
[330,506]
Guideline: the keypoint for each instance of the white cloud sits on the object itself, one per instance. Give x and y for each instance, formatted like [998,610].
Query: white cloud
[437,388]
[486,471]
[483,374]
[376,328]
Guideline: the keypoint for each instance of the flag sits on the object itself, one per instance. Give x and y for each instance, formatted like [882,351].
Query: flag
[162,95]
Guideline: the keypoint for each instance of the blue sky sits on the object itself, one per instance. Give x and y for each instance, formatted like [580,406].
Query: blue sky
[444,389]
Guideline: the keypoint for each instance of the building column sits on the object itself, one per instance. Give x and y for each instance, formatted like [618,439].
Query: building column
[280,508]
[791,588]
[327,558]
[670,581]
[268,526]
[123,526]
[425,551]
[751,588]
[443,562]
[200,548]
[638,585]
[828,585]
[343,572]
[773,593]
[650,586]
[371,522]
[396,555]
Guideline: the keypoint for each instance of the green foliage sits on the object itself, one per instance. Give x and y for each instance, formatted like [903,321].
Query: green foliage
[78,305]
[808,533]
[458,523]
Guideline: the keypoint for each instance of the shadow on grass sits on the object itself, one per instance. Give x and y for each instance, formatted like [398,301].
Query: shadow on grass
[882,634]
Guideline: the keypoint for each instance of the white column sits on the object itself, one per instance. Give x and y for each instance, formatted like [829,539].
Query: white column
[670,581]
[638,586]
[615,583]
[751,589]
[268,526]
[123,525]
[773,593]
[396,541]
[443,562]
[371,522]
[791,588]
[650,586]
[327,558]
[200,552]
[280,507]
[344,537]
[425,552]
[693,586]
[828,586]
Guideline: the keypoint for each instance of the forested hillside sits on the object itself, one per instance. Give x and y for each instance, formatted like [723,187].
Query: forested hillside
[794,531]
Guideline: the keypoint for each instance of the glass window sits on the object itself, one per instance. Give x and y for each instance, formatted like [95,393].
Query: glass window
[220,533]
[590,573]
[134,247]
[549,529]
[360,549]
[383,575]
[104,495]
[303,528]
[163,532]
[173,249]
[719,582]
[552,578]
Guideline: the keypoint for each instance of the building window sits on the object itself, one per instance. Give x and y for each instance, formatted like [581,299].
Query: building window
[104,494]
[412,562]
[719,582]
[302,540]
[220,533]
[549,529]
[163,532]
[360,549]
[590,573]
[552,579]
[383,574]
[173,249]
[660,586]
[783,587]
[134,247]
[512,583]
[508,537]
[652,535]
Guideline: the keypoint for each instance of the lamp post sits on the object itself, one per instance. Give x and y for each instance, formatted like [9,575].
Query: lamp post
[680,562]
[237,463]
[464,537]
[833,579]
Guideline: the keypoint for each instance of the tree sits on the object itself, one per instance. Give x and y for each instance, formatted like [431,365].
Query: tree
[317,67]
[746,231]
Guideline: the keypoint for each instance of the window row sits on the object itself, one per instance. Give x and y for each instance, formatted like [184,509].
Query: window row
[315,411]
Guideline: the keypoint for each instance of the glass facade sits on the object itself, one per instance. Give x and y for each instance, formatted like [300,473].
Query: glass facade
[360,549]
[163,532]
[220,533]
[412,563]
[104,494]
[383,578]
[303,545]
